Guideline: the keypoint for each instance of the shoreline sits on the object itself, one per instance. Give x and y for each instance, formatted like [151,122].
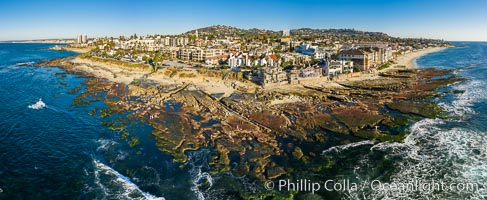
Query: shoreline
[408,60]
[403,61]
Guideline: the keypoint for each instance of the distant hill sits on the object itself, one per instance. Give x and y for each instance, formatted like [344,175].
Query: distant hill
[221,31]
[230,30]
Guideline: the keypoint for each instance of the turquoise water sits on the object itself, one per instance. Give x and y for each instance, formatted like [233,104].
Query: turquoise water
[59,151]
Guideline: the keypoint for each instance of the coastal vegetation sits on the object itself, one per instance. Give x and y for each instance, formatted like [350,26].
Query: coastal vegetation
[115,62]
[384,66]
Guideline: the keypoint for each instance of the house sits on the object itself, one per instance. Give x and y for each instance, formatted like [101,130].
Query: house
[306,49]
[269,75]
[304,72]
[361,58]
[262,62]
[334,68]
[215,60]
[311,72]
[322,53]
[201,54]
[233,61]
[185,54]
[274,60]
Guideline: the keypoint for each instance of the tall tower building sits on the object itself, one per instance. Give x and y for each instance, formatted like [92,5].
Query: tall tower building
[84,39]
[79,39]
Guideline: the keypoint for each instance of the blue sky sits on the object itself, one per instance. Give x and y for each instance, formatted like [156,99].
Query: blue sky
[41,19]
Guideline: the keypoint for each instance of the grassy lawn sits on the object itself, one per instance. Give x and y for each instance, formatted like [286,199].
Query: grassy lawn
[384,66]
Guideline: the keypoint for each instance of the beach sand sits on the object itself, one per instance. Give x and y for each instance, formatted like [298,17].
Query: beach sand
[409,59]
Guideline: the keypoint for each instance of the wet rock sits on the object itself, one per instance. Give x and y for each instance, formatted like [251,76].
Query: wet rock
[297,153]
[356,118]
[428,110]
[275,172]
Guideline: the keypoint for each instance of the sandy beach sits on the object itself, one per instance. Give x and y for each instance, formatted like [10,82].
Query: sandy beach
[409,59]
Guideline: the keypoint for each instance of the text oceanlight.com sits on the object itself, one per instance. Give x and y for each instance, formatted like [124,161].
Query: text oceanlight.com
[425,187]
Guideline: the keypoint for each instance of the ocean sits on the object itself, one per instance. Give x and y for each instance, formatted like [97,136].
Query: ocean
[451,152]
[51,148]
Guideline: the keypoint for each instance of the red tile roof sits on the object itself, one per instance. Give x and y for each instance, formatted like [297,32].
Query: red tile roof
[273,57]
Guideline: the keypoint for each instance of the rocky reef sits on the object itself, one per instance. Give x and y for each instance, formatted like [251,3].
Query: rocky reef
[262,138]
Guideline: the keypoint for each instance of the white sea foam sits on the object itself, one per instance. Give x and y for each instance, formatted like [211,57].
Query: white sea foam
[129,189]
[25,63]
[38,105]
[431,152]
[198,161]
[340,148]
[198,180]
[454,156]
[473,93]
[105,144]
[435,151]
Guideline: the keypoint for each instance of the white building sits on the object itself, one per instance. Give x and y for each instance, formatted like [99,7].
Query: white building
[82,39]
[286,33]
[233,61]
[306,49]
[336,67]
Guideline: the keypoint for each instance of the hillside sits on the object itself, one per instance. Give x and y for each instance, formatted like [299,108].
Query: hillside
[343,35]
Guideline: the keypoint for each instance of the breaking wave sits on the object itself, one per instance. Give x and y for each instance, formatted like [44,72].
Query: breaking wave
[340,148]
[454,155]
[105,144]
[202,181]
[117,186]
[446,150]
[462,104]
[25,63]
[38,105]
